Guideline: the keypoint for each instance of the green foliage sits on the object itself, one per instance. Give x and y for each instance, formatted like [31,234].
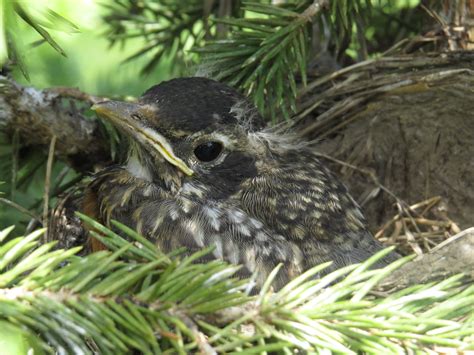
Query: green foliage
[23,174]
[16,341]
[265,49]
[262,55]
[169,27]
[268,49]
[41,22]
[135,297]
[90,64]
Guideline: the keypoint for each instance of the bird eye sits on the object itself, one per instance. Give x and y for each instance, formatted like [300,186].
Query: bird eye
[137,117]
[208,151]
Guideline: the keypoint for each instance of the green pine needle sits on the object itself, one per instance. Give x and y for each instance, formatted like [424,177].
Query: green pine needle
[121,300]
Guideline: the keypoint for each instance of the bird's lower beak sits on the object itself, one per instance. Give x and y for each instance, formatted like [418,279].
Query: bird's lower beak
[124,116]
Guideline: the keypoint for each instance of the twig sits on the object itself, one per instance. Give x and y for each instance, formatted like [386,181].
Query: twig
[327,78]
[20,208]
[201,340]
[410,237]
[313,9]
[61,176]
[406,210]
[15,151]
[60,189]
[429,203]
[39,114]
[352,102]
[47,184]
[453,238]
[387,224]
[75,93]
[430,222]
[429,239]
[422,235]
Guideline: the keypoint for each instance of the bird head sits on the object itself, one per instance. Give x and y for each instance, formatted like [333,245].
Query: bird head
[189,129]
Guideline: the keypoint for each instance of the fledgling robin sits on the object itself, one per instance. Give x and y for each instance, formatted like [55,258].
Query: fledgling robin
[203,171]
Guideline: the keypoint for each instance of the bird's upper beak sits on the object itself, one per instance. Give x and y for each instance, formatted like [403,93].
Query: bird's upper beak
[124,116]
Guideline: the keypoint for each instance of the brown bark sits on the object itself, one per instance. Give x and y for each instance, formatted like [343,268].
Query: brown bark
[38,115]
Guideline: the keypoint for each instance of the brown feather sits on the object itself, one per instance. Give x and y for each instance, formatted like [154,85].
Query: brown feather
[90,207]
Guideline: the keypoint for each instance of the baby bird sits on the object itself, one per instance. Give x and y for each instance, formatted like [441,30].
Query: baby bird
[203,171]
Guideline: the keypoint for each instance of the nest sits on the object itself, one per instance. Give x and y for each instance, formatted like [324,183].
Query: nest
[418,228]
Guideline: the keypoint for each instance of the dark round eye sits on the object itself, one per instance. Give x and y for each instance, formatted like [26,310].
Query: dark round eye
[208,151]
[137,117]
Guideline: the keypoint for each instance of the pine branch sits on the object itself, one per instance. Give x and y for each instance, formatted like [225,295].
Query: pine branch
[10,43]
[267,54]
[167,27]
[135,297]
[264,53]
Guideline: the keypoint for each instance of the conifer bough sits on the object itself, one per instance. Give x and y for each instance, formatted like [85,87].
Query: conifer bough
[136,298]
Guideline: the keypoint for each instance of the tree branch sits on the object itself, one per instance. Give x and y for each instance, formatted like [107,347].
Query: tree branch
[38,115]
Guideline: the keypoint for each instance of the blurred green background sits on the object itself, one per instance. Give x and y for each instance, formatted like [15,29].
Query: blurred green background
[91,64]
